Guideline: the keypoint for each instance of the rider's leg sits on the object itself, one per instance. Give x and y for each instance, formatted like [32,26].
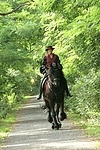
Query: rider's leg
[40,94]
[41,86]
[65,84]
[66,87]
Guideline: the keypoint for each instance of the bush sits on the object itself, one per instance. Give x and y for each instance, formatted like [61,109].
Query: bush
[86,99]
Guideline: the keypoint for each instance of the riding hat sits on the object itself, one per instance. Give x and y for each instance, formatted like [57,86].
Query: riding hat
[49,47]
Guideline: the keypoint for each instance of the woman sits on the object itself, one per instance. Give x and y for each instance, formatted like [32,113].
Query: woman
[46,63]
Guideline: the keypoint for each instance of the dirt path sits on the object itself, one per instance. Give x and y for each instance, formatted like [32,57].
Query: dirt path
[33,132]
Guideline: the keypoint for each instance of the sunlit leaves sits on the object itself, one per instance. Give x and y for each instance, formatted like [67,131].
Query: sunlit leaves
[71,26]
[5,7]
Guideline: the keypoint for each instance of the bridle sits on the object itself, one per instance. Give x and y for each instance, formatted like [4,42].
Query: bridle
[50,82]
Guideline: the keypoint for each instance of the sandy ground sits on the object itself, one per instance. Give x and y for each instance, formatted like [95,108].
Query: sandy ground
[32,131]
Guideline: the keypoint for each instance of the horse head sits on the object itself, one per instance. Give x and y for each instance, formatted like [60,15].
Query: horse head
[54,75]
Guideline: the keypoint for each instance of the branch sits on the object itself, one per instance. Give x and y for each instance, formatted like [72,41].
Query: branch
[15,9]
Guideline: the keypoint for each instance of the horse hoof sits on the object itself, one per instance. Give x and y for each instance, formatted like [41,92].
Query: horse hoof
[59,125]
[52,126]
[50,119]
[63,116]
[55,127]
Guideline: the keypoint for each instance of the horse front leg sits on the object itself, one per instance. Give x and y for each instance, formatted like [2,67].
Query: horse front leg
[53,114]
[49,117]
[57,115]
[62,114]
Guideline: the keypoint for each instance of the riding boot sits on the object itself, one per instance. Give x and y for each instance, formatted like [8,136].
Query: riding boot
[41,86]
[40,94]
[66,88]
[41,90]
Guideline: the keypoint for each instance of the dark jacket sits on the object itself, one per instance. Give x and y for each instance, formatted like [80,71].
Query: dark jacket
[47,61]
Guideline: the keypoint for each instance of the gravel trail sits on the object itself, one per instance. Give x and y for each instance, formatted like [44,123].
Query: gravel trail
[32,131]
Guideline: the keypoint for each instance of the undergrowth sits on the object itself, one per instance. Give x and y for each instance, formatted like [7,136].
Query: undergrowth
[90,125]
[6,123]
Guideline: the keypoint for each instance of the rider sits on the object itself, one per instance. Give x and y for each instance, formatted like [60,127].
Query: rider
[46,63]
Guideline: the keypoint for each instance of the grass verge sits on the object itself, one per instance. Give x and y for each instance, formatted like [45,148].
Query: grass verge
[91,126]
[6,124]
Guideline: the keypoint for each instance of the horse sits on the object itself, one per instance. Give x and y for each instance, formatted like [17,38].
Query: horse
[53,96]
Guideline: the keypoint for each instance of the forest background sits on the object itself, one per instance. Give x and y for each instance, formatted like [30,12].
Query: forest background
[73,28]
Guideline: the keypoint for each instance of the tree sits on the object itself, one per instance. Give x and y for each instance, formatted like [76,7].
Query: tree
[27,27]
[18,7]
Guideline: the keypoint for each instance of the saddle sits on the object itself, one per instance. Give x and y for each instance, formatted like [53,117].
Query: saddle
[43,82]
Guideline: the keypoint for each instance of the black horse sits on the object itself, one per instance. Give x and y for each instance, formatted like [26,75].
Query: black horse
[53,96]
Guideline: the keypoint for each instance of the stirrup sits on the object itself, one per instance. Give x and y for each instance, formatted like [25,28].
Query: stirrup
[38,97]
[43,107]
[68,94]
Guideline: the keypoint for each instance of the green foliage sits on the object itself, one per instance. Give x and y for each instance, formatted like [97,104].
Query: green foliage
[73,27]
[5,125]
[91,126]
[18,36]
[86,100]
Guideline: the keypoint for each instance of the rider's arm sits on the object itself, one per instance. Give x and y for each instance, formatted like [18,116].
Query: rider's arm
[43,66]
[57,59]
[58,63]
[44,61]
